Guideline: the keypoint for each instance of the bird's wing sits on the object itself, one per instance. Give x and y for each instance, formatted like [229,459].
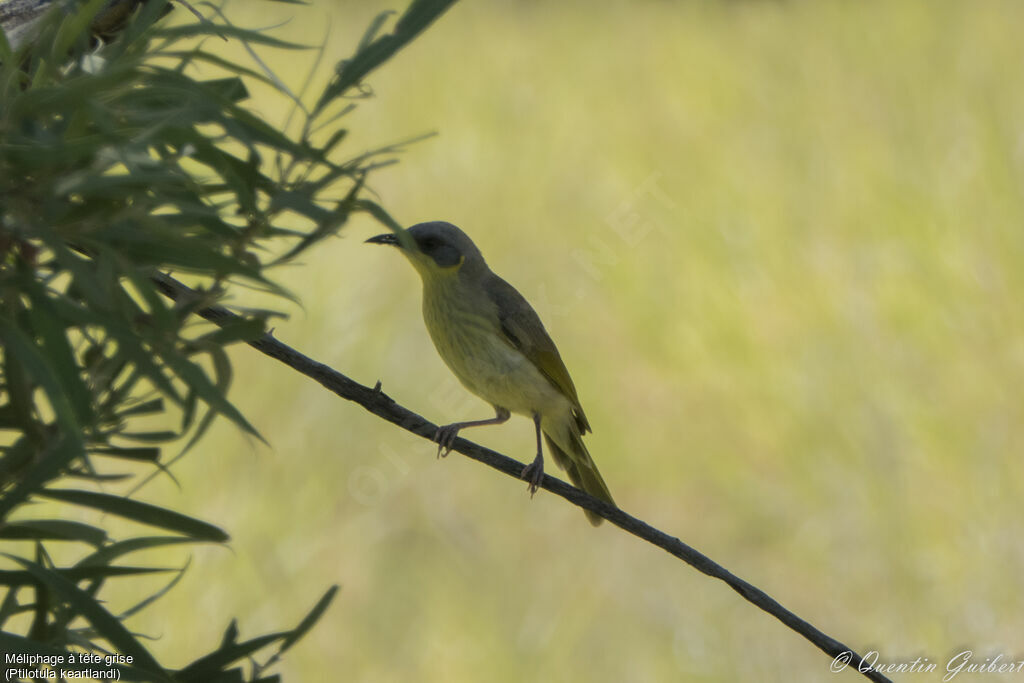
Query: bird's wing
[524,331]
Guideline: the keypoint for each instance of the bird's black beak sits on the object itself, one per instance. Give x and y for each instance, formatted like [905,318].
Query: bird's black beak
[386,238]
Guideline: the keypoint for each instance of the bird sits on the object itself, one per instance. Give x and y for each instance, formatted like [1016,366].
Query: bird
[496,346]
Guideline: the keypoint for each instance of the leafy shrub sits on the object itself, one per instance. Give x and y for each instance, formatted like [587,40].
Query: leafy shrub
[116,164]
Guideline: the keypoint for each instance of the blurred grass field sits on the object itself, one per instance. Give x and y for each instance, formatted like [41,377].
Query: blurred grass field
[780,247]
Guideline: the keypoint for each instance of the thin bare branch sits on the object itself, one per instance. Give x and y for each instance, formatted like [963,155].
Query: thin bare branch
[383,406]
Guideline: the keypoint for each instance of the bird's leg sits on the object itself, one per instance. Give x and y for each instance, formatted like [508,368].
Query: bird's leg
[534,472]
[445,435]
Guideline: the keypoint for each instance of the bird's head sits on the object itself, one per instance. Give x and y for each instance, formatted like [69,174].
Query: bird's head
[436,249]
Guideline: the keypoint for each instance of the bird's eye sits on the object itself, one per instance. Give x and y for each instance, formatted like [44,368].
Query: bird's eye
[429,244]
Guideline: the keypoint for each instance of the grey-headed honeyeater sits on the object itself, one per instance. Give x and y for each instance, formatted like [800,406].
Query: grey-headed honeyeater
[496,345]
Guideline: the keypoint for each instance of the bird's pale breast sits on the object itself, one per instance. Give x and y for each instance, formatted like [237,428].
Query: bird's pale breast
[472,345]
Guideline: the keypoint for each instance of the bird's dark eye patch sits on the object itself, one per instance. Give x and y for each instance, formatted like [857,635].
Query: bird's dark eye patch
[443,253]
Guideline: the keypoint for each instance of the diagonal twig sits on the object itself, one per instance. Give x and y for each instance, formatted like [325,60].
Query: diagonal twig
[383,406]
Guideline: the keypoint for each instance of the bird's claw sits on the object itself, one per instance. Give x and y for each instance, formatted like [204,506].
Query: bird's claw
[445,438]
[534,475]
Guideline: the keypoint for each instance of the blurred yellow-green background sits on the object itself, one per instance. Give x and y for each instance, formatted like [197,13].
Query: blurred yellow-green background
[781,248]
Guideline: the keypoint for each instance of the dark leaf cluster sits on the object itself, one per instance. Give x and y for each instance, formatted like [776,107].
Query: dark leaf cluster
[118,163]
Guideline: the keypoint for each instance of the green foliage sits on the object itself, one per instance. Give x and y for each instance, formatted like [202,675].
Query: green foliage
[117,164]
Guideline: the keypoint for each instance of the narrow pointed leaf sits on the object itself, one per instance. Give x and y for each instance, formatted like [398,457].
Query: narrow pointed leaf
[202,669]
[139,512]
[10,577]
[137,454]
[309,621]
[54,530]
[113,551]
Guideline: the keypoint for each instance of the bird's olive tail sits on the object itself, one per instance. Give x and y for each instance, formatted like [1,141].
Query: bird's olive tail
[582,471]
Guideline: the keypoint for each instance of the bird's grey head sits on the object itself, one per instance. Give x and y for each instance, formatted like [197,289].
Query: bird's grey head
[443,243]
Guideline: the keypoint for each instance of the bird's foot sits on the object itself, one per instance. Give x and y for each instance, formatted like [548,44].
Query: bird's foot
[533,474]
[445,438]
